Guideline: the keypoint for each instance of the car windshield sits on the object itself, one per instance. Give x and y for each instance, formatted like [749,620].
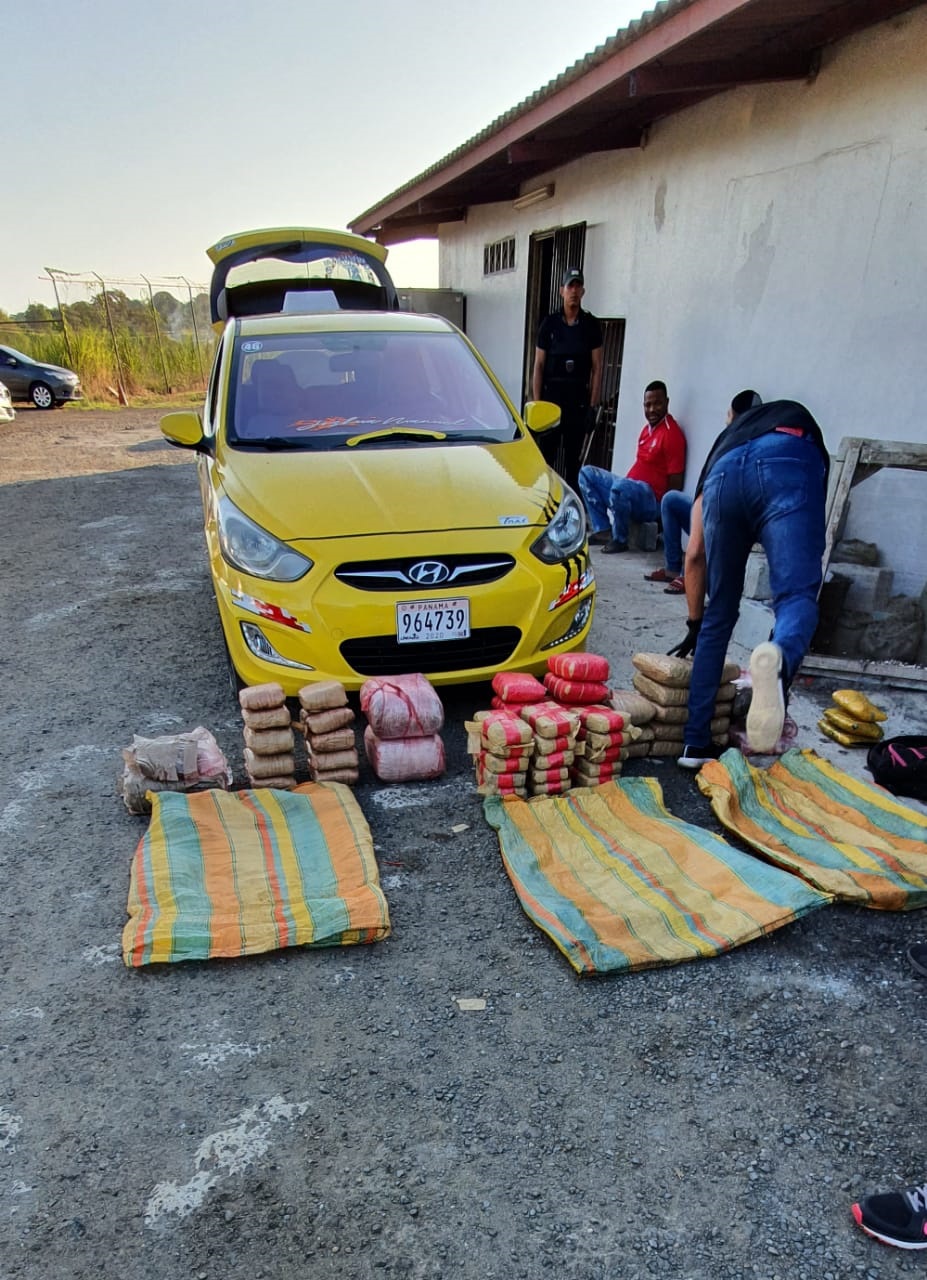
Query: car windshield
[17,355]
[363,390]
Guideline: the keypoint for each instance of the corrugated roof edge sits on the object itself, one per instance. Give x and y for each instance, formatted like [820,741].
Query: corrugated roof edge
[626,35]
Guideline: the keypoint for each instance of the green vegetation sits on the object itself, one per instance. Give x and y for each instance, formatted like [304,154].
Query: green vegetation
[120,344]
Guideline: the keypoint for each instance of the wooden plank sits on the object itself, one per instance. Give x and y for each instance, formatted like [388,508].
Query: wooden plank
[847,459]
[895,674]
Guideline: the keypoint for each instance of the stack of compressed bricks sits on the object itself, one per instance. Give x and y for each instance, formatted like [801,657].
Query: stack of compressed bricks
[327,723]
[555,730]
[269,757]
[577,679]
[852,720]
[638,718]
[402,739]
[605,737]
[502,747]
[664,681]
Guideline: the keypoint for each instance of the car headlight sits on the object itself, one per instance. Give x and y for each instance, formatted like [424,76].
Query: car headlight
[565,534]
[248,547]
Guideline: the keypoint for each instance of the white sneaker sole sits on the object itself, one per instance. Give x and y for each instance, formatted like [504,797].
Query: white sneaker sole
[767,705]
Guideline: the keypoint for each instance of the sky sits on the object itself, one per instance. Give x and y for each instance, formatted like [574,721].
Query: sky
[138,135]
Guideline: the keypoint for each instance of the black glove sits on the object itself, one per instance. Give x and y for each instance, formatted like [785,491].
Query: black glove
[693,627]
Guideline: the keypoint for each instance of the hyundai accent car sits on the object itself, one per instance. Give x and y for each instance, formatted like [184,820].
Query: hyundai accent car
[45,385]
[374,503]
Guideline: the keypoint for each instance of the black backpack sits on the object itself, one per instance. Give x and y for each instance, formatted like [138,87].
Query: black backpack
[900,765]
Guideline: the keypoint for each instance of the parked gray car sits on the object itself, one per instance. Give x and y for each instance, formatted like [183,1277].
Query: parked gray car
[45,385]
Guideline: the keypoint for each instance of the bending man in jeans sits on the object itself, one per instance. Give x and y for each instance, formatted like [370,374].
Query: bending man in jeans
[614,501]
[765,481]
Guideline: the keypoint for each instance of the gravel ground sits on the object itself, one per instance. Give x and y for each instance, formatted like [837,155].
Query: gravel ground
[334,1113]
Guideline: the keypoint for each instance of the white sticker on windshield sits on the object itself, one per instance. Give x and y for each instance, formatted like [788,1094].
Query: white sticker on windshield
[252,346]
[513,520]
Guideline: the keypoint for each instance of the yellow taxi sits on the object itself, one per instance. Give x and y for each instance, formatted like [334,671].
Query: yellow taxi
[374,503]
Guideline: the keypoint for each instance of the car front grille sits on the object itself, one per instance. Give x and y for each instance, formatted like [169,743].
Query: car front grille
[384,656]
[425,573]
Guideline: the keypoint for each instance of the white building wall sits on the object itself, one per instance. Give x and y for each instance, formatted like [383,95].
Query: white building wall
[772,237]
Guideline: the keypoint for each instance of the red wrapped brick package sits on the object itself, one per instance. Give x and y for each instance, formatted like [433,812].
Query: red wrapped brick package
[572,692]
[517,686]
[579,666]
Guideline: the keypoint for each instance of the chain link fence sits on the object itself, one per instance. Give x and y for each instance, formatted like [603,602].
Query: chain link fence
[125,338]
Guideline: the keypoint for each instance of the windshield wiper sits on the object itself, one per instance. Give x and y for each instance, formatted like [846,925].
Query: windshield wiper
[272,442]
[394,433]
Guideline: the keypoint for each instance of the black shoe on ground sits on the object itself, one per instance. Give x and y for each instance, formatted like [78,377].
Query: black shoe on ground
[897,1217]
[917,957]
[612,546]
[600,537]
[695,757]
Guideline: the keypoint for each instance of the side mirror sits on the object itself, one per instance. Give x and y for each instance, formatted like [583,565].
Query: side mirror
[541,416]
[183,429]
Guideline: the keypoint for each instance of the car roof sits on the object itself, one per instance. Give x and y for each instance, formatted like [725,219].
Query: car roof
[344,322]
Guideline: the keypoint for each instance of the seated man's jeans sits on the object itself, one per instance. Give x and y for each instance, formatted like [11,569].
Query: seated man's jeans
[676,514]
[769,490]
[615,501]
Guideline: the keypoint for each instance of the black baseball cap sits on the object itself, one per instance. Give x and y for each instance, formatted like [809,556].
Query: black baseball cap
[745,400]
[571,274]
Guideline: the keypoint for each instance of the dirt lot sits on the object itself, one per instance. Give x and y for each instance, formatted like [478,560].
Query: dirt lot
[334,1113]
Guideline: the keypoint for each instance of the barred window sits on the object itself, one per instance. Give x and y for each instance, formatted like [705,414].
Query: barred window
[499,256]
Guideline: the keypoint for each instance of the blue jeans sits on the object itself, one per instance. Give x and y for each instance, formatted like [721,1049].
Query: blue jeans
[614,501]
[769,490]
[676,514]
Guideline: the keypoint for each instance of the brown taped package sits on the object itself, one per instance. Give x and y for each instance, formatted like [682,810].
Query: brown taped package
[271,718]
[325,721]
[259,697]
[269,766]
[323,696]
[268,742]
[337,740]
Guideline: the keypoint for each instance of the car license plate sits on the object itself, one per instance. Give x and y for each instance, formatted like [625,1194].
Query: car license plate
[428,620]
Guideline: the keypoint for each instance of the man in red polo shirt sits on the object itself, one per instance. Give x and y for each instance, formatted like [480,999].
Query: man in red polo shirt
[614,501]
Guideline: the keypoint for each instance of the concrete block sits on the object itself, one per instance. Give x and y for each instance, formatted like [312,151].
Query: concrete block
[756,580]
[643,537]
[754,624]
[870,586]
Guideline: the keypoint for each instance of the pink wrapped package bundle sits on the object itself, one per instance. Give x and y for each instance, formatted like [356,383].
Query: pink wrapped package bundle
[413,759]
[405,706]
[517,686]
[571,692]
[579,666]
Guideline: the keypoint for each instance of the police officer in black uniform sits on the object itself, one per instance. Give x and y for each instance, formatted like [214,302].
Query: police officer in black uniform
[568,372]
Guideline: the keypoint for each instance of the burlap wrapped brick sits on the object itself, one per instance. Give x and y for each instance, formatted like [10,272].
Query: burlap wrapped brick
[670,715]
[663,668]
[542,777]
[269,766]
[260,697]
[269,742]
[550,746]
[347,759]
[271,718]
[502,728]
[347,776]
[337,740]
[633,706]
[604,755]
[592,775]
[322,696]
[285,782]
[316,722]
[663,695]
[666,747]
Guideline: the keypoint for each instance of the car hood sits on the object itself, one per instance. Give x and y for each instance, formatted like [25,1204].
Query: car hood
[343,494]
[54,368]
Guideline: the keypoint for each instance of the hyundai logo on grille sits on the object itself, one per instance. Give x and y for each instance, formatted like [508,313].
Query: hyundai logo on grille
[429,573]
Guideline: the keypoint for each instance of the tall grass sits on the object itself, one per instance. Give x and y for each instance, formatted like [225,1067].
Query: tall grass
[144,368]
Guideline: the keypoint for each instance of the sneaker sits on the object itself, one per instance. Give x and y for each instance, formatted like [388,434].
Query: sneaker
[695,757]
[612,546]
[767,705]
[898,1217]
[600,537]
